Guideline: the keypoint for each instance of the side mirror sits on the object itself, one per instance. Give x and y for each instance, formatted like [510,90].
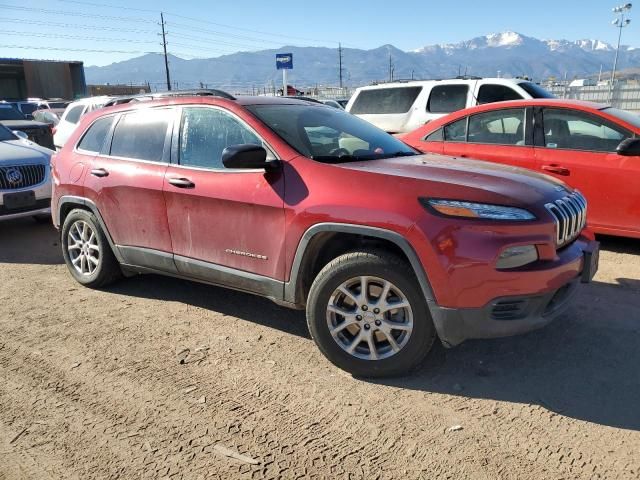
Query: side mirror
[20,134]
[247,156]
[629,147]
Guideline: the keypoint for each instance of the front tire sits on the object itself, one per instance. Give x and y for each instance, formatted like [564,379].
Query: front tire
[87,252]
[368,316]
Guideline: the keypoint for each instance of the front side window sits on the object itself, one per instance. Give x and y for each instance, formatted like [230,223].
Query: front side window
[206,132]
[536,91]
[385,100]
[74,114]
[28,108]
[328,134]
[501,127]
[6,134]
[94,139]
[489,93]
[141,134]
[456,131]
[447,98]
[572,130]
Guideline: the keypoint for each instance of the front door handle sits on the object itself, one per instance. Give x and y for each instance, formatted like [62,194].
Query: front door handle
[181,182]
[558,170]
[99,172]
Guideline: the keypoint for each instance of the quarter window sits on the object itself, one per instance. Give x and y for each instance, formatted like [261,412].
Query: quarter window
[74,114]
[436,136]
[206,132]
[489,93]
[93,140]
[574,130]
[456,131]
[385,100]
[447,98]
[141,134]
[501,127]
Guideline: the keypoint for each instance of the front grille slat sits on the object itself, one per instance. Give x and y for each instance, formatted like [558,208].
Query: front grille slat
[570,215]
[29,176]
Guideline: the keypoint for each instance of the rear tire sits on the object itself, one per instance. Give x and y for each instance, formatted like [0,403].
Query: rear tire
[388,331]
[87,252]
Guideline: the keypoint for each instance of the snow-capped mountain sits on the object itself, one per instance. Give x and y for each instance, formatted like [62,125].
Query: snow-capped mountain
[507,53]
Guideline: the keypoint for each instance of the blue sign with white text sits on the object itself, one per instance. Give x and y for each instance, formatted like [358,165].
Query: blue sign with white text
[284,61]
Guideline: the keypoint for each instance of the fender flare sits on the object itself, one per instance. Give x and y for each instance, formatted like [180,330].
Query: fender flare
[291,287]
[74,200]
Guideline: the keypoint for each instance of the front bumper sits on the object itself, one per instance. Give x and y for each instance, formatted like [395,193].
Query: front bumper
[502,317]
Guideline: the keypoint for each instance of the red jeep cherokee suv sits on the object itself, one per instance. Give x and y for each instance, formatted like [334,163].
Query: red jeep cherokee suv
[313,207]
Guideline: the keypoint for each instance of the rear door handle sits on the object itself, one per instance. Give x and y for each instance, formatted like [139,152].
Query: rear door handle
[99,172]
[181,182]
[558,170]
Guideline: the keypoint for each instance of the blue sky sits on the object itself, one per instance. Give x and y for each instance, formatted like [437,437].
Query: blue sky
[117,30]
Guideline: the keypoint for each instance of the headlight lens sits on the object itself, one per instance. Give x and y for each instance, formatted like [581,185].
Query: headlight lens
[458,208]
[514,257]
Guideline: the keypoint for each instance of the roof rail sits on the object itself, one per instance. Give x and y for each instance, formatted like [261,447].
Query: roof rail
[171,93]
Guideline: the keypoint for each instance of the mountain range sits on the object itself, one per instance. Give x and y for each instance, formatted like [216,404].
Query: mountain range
[506,54]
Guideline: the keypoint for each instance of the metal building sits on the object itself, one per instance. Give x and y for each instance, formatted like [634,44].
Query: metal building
[21,79]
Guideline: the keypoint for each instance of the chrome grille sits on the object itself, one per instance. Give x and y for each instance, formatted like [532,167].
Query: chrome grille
[570,214]
[21,176]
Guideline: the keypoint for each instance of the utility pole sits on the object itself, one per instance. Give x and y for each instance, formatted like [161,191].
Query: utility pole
[340,62]
[164,46]
[390,68]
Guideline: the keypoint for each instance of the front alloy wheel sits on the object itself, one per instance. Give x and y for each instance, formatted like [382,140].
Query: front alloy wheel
[369,318]
[368,315]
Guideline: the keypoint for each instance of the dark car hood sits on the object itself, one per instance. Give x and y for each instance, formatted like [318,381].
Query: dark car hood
[18,124]
[512,184]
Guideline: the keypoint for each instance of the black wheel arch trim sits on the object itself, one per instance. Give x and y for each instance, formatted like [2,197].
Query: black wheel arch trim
[291,291]
[85,202]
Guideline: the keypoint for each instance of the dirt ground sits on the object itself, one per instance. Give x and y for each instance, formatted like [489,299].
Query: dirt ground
[100,384]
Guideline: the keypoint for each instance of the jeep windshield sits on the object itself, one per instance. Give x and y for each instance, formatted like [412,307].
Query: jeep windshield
[328,134]
[7,112]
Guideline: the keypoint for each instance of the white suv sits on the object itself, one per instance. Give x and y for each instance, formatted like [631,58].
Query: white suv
[72,115]
[401,107]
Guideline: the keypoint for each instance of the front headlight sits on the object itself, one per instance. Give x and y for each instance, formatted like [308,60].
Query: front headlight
[459,208]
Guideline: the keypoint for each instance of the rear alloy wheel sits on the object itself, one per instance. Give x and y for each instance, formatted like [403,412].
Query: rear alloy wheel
[86,250]
[367,314]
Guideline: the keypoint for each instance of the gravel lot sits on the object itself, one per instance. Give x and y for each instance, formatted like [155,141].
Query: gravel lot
[92,386]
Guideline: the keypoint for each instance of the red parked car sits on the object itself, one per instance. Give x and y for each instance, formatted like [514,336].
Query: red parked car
[314,208]
[590,146]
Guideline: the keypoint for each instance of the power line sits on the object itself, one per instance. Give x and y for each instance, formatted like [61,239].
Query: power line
[76,49]
[70,37]
[172,14]
[73,14]
[73,25]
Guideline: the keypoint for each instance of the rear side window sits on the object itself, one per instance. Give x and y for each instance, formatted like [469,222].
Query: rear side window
[385,100]
[141,135]
[456,131]
[496,93]
[447,98]
[74,114]
[93,140]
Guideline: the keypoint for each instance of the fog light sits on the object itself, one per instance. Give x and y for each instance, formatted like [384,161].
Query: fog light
[514,257]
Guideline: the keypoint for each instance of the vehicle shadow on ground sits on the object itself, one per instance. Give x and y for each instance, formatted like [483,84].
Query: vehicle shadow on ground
[241,305]
[585,365]
[26,241]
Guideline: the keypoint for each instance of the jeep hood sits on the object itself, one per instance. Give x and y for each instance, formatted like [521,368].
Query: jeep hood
[465,179]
